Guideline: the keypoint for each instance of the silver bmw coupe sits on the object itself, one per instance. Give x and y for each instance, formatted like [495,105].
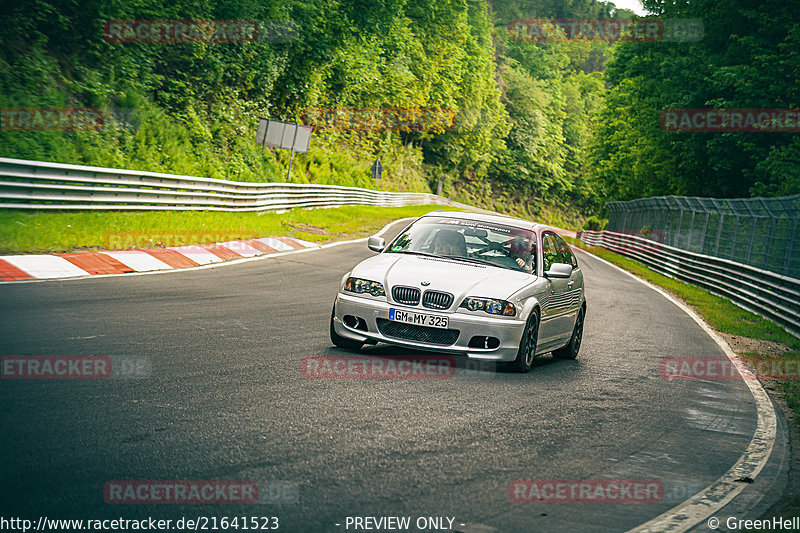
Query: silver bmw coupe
[490,287]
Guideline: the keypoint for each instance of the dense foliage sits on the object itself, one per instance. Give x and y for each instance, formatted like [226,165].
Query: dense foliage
[748,58]
[538,128]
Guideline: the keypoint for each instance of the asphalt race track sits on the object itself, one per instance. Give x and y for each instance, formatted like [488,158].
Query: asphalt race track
[225,400]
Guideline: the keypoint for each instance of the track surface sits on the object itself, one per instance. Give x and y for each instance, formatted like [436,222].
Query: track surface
[226,400]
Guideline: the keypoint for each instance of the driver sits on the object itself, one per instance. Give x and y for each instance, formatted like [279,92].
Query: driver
[520,250]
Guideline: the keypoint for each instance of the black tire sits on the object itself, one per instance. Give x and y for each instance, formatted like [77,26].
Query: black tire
[341,342]
[570,351]
[527,346]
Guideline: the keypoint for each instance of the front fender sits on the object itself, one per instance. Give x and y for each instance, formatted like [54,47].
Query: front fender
[344,278]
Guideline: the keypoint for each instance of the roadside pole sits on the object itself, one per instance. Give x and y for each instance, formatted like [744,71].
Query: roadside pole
[291,158]
[377,170]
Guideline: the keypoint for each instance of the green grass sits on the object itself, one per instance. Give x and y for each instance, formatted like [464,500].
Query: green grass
[59,232]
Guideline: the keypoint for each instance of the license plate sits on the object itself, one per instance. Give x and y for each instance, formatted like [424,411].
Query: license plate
[418,319]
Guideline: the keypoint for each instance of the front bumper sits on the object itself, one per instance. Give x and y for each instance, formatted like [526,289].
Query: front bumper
[507,330]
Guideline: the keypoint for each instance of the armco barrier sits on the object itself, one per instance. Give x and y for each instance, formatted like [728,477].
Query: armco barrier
[763,292]
[40,185]
[760,232]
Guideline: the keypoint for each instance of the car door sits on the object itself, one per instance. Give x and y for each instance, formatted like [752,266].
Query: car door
[554,302]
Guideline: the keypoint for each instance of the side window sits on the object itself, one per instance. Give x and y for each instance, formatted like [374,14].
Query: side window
[549,251]
[564,252]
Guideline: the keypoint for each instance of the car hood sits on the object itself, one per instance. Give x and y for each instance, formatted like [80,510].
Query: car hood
[460,279]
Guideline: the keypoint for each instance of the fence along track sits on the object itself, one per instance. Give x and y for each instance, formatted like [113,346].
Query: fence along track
[761,232]
[765,293]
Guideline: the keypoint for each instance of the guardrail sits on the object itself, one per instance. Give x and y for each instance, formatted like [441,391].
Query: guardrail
[40,185]
[760,232]
[763,292]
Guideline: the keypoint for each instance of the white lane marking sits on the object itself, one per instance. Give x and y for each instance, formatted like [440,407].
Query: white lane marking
[198,254]
[45,266]
[241,248]
[275,243]
[221,264]
[139,261]
[713,498]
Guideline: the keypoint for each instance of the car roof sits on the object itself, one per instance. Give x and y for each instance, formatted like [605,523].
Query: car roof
[480,217]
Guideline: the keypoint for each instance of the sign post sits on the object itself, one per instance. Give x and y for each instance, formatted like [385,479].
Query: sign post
[294,137]
[377,170]
[291,159]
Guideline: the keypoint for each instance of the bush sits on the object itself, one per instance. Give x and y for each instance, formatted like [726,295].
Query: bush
[594,224]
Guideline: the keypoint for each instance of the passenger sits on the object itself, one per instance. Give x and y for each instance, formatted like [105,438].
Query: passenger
[449,243]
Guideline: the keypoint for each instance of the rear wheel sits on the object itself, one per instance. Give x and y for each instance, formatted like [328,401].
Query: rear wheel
[342,342]
[527,346]
[570,351]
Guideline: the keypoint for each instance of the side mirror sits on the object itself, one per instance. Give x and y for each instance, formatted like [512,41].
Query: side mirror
[376,244]
[559,270]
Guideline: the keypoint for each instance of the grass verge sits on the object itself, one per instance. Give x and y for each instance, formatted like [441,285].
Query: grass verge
[24,232]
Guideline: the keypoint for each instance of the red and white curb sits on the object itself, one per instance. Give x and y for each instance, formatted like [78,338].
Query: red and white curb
[27,267]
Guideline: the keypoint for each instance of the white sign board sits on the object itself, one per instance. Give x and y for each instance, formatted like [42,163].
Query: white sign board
[282,135]
[261,131]
[303,138]
[287,137]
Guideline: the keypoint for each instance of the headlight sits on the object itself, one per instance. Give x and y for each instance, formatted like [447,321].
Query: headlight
[361,286]
[489,305]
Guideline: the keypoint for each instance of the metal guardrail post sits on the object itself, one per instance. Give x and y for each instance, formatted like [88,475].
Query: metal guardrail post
[719,225]
[691,231]
[680,228]
[750,241]
[703,233]
[789,247]
[668,238]
[752,231]
[770,235]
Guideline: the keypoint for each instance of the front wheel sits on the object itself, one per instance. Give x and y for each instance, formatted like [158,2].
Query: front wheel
[342,342]
[527,346]
[570,351]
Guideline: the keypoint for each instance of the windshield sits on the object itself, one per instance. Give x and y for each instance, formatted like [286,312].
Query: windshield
[469,241]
